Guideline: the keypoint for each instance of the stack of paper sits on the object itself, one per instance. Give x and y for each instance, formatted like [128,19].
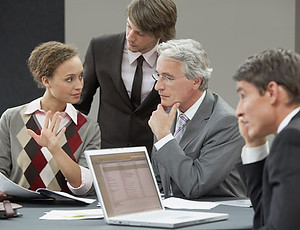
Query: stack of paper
[73,214]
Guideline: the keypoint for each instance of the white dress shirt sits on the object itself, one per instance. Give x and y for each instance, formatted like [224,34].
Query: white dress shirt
[189,113]
[254,154]
[129,64]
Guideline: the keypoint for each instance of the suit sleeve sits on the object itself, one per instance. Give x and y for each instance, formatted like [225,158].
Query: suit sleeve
[279,205]
[157,176]
[91,82]
[217,156]
[251,175]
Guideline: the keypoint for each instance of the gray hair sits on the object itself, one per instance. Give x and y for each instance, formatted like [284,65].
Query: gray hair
[192,55]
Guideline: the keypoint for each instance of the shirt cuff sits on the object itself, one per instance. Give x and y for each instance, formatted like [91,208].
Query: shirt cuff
[86,182]
[159,144]
[254,154]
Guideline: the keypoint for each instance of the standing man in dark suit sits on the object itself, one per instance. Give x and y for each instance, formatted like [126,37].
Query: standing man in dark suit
[111,63]
[269,88]
[198,141]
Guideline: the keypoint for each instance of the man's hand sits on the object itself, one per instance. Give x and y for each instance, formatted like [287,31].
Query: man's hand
[250,142]
[161,122]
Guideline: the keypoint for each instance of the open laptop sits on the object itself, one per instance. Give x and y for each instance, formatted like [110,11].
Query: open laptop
[127,190]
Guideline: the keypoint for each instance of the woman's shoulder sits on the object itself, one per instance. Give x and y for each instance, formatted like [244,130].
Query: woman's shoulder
[15,110]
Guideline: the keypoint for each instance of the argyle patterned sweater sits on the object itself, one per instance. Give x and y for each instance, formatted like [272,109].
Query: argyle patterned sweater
[32,166]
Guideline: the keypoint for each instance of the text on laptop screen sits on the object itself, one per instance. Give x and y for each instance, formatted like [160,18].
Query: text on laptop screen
[125,183]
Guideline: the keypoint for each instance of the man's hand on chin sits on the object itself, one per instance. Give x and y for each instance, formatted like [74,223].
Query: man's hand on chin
[161,122]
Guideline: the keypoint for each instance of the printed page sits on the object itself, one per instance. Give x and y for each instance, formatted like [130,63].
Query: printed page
[73,214]
[237,202]
[64,196]
[9,187]
[179,203]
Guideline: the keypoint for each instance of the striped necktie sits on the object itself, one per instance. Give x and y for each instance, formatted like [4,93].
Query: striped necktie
[181,123]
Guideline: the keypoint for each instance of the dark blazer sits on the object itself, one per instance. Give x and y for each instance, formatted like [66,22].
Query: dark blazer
[273,183]
[120,124]
[203,162]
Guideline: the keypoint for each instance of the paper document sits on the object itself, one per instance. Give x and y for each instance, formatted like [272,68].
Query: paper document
[178,203]
[9,187]
[239,203]
[73,214]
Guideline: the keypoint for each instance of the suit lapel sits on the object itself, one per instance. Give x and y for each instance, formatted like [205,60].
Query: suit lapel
[199,120]
[116,66]
[152,98]
[297,116]
[116,56]
[192,131]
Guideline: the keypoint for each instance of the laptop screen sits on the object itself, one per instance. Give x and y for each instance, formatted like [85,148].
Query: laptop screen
[125,182]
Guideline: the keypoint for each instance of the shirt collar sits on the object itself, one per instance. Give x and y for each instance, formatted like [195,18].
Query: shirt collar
[150,57]
[193,109]
[35,105]
[287,119]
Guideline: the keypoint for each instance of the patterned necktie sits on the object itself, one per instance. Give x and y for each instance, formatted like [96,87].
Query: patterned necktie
[181,123]
[137,83]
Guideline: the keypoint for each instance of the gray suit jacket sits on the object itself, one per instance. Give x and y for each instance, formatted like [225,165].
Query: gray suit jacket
[203,163]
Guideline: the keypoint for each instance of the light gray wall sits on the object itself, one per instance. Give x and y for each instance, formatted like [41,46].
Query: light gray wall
[230,30]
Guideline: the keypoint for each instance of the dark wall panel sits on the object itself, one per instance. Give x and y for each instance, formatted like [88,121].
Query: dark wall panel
[23,25]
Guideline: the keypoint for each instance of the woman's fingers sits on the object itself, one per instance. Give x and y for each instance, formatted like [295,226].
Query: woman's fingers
[47,119]
[55,123]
